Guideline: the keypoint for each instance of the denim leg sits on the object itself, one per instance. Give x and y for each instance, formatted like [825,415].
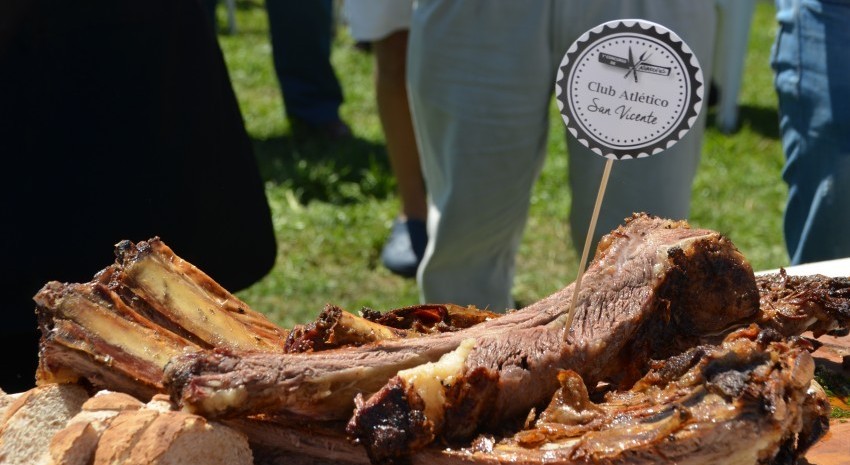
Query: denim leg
[301,46]
[811,69]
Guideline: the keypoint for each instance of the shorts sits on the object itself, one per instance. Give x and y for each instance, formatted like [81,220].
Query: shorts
[371,20]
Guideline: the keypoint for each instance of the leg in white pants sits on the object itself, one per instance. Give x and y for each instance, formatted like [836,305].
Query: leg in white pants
[480,85]
[481,76]
[661,184]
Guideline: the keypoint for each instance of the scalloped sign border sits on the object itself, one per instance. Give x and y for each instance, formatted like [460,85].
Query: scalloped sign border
[629,89]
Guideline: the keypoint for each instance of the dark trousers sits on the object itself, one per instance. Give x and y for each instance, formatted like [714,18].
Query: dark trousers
[301,34]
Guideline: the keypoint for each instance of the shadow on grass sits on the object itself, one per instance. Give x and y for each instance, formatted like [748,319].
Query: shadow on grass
[762,120]
[337,172]
[248,5]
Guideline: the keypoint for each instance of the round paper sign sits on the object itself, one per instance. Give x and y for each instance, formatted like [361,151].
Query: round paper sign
[629,89]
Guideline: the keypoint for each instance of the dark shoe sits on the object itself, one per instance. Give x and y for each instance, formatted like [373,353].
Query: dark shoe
[405,247]
[713,94]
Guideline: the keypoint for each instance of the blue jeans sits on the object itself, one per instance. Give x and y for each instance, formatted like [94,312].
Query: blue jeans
[301,33]
[812,77]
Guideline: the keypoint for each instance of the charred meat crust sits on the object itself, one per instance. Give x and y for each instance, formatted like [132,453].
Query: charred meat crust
[395,422]
[645,297]
[706,291]
[794,304]
[668,416]
[394,425]
[335,328]
[431,318]
[681,413]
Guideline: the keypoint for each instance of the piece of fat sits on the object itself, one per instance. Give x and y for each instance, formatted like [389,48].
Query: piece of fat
[430,380]
[221,400]
[662,262]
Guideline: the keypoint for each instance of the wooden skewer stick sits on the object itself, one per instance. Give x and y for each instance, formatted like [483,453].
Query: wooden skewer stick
[590,230]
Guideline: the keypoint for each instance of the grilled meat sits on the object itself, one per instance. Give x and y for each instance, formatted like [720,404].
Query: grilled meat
[119,330]
[747,400]
[656,289]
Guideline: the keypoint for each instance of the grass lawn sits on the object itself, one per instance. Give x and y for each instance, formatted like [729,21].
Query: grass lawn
[333,203]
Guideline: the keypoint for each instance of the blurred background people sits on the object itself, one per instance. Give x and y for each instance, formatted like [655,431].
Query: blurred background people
[301,35]
[122,124]
[811,66]
[481,77]
[383,26]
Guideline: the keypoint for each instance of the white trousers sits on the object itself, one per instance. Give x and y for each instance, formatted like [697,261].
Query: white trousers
[481,77]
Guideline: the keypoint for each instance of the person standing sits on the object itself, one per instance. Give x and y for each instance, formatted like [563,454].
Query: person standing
[301,35]
[123,124]
[811,68]
[481,75]
[383,25]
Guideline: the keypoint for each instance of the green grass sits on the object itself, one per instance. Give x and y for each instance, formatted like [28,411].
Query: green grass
[835,385]
[333,204]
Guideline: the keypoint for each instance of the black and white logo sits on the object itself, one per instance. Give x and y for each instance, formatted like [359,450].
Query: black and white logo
[629,89]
